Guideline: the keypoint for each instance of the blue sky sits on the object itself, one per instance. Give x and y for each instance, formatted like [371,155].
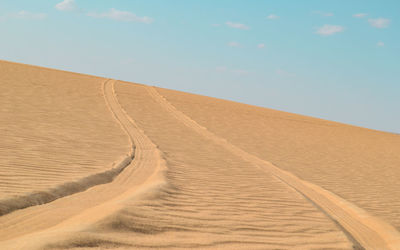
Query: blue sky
[337,60]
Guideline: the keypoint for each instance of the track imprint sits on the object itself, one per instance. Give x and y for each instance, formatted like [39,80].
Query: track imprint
[369,231]
[37,226]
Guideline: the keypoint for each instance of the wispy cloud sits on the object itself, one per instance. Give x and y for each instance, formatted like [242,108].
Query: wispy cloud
[66,5]
[325,14]
[237,25]
[261,46]
[380,44]
[234,44]
[24,15]
[123,16]
[360,15]
[215,25]
[379,23]
[328,30]
[272,17]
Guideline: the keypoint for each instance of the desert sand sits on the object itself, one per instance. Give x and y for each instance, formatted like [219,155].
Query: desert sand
[94,163]
[55,129]
[360,165]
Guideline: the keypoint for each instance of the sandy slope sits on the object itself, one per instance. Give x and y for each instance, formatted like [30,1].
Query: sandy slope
[214,199]
[358,164]
[38,226]
[55,129]
[185,182]
[367,230]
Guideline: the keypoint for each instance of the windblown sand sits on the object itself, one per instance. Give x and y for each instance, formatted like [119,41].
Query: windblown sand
[358,164]
[201,174]
[55,129]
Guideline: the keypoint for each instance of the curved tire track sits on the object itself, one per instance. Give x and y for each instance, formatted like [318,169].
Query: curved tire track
[37,226]
[42,197]
[369,231]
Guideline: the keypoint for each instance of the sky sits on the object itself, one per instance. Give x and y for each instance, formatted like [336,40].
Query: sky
[332,59]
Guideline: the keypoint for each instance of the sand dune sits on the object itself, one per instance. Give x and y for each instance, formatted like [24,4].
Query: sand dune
[38,226]
[56,135]
[358,164]
[355,221]
[189,171]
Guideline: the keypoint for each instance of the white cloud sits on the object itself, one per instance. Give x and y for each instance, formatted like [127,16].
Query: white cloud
[360,15]
[379,23]
[237,25]
[234,44]
[261,46]
[380,44]
[25,15]
[272,17]
[325,14]
[66,5]
[124,16]
[328,30]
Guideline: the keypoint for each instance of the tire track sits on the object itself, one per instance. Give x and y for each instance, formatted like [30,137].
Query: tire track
[35,227]
[370,232]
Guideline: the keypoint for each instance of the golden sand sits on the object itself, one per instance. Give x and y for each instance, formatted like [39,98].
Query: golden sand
[183,171]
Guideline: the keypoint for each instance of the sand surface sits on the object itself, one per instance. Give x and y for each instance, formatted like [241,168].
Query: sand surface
[55,129]
[358,164]
[182,171]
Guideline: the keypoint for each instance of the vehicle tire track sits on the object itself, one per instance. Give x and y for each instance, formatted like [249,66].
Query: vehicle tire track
[369,231]
[42,197]
[35,227]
